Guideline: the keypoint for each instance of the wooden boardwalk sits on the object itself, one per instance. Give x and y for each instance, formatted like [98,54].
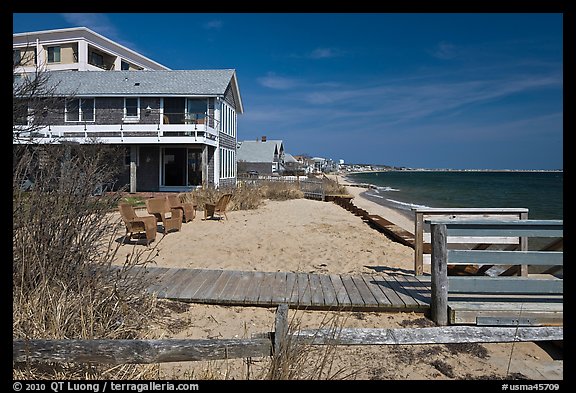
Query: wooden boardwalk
[366,292]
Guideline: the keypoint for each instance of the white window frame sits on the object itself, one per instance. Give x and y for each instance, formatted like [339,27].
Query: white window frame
[80,119]
[227,163]
[127,118]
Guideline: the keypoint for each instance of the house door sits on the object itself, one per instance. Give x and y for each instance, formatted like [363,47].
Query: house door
[194,167]
[174,166]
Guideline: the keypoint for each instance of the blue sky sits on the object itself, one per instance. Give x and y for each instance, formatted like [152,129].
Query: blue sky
[417,90]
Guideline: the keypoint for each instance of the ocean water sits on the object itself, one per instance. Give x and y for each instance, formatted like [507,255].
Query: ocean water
[540,192]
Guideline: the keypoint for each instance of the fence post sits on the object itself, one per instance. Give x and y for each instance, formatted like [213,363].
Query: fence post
[419,244]
[280,328]
[523,271]
[439,287]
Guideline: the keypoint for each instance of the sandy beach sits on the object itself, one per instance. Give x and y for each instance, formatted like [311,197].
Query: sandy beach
[311,236]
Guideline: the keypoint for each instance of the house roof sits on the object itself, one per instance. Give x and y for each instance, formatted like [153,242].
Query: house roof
[146,83]
[257,151]
[289,158]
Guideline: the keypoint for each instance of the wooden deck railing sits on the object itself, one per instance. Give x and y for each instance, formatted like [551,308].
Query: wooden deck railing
[422,232]
[441,284]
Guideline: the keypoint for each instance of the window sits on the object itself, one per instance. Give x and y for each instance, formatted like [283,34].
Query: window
[80,109]
[196,110]
[124,66]
[16,56]
[227,163]
[131,108]
[53,54]
[96,59]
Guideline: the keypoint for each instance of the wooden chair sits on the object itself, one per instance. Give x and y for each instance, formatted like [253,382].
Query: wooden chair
[137,224]
[188,209]
[211,210]
[171,219]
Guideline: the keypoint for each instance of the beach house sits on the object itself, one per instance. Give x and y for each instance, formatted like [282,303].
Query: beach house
[177,127]
[263,156]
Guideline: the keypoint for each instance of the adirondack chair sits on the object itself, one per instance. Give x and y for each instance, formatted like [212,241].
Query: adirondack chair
[137,224]
[188,209]
[219,208]
[171,219]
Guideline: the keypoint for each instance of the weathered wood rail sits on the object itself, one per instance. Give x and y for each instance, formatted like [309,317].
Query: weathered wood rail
[261,345]
[546,292]
[422,247]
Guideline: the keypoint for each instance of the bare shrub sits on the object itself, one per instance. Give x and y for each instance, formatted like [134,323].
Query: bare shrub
[64,242]
[281,191]
[331,187]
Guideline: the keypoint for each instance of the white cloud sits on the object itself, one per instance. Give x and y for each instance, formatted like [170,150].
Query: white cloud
[97,22]
[213,25]
[324,53]
[273,81]
[101,25]
[445,51]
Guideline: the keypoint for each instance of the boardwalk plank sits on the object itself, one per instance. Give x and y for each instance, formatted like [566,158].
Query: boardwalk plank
[227,294]
[369,299]
[154,277]
[374,289]
[197,279]
[340,290]
[213,293]
[352,291]
[387,289]
[292,288]
[267,288]
[244,281]
[279,291]
[165,282]
[210,278]
[161,277]
[179,282]
[304,298]
[415,288]
[253,289]
[317,296]
[402,293]
[328,291]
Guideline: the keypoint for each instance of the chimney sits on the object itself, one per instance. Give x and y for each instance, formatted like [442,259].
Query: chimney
[264,138]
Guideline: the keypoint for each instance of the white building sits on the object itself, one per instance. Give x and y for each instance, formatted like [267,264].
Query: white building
[77,49]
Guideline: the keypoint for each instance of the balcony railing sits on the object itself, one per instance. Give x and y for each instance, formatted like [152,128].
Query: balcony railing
[189,118]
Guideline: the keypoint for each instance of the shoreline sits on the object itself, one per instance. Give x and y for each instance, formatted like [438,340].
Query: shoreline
[402,218]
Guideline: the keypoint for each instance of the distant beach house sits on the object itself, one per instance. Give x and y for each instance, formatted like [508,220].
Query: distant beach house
[178,127]
[266,157]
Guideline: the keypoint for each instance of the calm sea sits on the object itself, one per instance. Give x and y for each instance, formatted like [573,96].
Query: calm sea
[540,192]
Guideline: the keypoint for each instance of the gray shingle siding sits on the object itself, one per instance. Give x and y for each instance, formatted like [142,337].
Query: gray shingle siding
[227,141]
[109,110]
[210,152]
[229,97]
